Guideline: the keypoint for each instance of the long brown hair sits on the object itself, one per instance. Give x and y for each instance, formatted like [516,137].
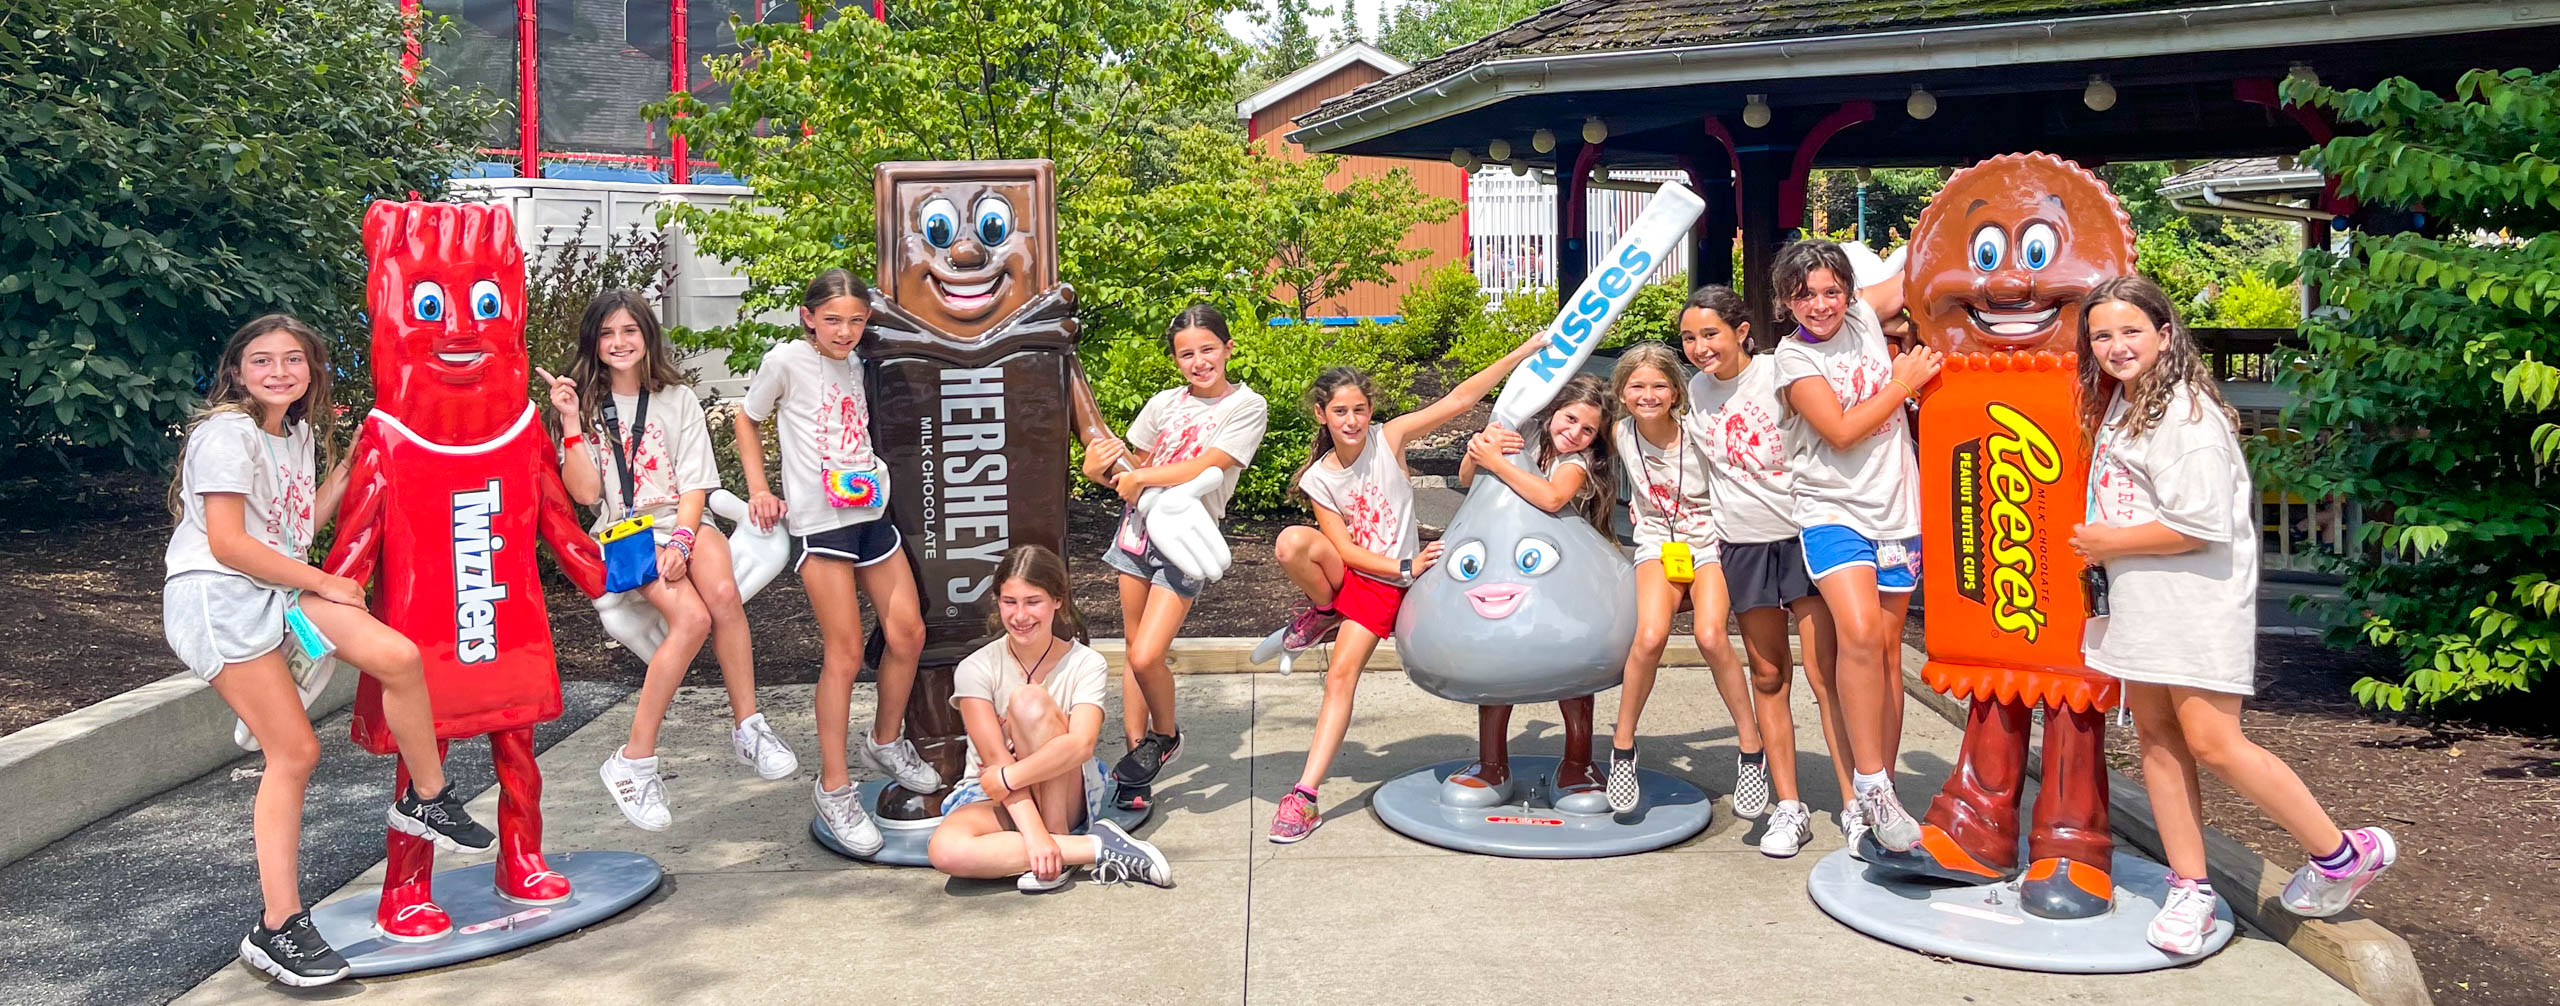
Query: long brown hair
[228,393]
[2180,363]
[1318,394]
[1600,489]
[1045,572]
[594,377]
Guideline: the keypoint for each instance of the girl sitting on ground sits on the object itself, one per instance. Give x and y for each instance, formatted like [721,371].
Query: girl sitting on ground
[1032,701]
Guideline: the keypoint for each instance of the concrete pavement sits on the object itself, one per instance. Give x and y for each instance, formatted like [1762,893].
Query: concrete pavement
[754,912]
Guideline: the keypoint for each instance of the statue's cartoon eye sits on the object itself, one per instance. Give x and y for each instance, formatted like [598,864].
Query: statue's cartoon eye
[994,220]
[1466,562]
[940,222]
[2037,245]
[1535,556]
[426,301]
[1988,244]
[484,299]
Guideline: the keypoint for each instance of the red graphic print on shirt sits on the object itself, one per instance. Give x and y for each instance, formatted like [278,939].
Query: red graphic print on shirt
[1751,442]
[844,428]
[1371,518]
[289,513]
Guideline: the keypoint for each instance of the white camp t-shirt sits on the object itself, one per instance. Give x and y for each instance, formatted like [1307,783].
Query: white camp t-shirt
[2189,619]
[1873,487]
[1667,491]
[992,674]
[826,424]
[671,457]
[1176,426]
[1373,495]
[1735,424]
[228,453]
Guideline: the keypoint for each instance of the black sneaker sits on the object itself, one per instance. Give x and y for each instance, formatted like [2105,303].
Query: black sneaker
[1146,758]
[294,954]
[441,821]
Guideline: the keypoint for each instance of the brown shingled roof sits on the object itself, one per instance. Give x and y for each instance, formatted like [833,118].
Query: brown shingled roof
[1584,26]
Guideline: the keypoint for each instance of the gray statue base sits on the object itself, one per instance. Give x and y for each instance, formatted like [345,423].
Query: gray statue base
[1528,826]
[1983,923]
[903,843]
[601,885]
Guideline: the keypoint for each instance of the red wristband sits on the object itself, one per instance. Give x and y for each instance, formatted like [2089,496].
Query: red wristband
[572,440]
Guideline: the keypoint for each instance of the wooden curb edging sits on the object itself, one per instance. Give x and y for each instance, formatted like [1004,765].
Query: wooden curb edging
[2371,961]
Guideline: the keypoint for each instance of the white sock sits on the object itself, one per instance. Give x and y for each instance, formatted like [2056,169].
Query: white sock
[1864,782]
[649,763]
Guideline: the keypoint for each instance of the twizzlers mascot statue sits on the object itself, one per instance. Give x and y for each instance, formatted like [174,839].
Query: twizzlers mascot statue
[454,481]
[1999,262]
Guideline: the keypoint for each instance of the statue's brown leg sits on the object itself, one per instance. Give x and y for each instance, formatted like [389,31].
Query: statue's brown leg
[1493,749]
[2069,849]
[1971,831]
[1577,770]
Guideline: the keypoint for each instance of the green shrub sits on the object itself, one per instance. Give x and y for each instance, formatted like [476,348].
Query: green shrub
[1444,307]
[2429,399]
[2255,300]
[1281,362]
[1654,315]
[1521,314]
[176,169]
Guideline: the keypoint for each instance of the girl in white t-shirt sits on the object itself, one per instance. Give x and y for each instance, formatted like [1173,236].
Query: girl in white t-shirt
[834,494]
[1208,422]
[1363,551]
[247,509]
[634,441]
[1857,503]
[1734,412]
[1672,508]
[1032,701]
[2173,518]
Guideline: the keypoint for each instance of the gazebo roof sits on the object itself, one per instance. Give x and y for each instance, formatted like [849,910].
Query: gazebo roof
[1652,67]
[1589,26]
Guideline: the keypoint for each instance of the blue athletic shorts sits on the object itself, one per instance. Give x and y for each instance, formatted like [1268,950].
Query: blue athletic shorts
[1830,548]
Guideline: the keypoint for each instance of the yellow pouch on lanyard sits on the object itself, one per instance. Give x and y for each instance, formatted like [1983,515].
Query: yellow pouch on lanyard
[1678,565]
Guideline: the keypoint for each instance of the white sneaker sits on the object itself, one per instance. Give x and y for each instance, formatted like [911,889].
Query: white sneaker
[1750,786]
[756,744]
[1894,828]
[636,789]
[1853,826]
[2314,894]
[898,760]
[1790,827]
[842,811]
[2185,919]
[1030,883]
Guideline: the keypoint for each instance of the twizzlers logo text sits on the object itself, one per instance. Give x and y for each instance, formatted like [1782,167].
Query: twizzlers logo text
[1996,479]
[476,590]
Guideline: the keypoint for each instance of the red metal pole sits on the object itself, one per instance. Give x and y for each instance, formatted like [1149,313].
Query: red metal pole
[528,91]
[682,173]
[409,41]
[880,10]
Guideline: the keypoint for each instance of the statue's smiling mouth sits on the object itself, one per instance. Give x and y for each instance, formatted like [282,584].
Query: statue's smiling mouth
[1497,600]
[967,297]
[2021,322]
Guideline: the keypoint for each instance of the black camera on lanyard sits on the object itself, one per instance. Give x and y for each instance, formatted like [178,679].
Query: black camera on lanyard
[2093,590]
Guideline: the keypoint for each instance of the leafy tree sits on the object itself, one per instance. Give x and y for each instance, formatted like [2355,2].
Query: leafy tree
[2431,399]
[1426,28]
[174,170]
[1331,234]
[1287,40]
[1161,202]
[1895,197]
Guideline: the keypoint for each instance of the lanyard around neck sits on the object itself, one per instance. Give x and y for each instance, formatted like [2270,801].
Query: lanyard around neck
[622,456]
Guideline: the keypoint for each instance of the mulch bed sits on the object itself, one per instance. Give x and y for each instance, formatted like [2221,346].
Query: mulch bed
[2476,806]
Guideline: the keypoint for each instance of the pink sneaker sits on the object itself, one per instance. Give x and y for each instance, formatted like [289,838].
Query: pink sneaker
[1297,817]
[1308,625]
[2315,893]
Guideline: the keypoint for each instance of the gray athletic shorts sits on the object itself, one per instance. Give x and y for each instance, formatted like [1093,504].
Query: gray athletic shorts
[216,619]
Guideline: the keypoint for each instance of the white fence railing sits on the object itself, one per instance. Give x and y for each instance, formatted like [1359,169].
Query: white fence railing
[1511,222]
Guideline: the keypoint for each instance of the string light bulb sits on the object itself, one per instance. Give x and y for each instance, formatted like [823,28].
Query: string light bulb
[1543,141]
[1594,131]
[2099,95]
[1922,103]
[1755,111]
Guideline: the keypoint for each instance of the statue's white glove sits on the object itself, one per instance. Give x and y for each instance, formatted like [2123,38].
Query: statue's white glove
[1180,527]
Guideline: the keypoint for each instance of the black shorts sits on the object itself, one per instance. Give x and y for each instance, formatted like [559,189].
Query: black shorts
[862,544]
[1764,574]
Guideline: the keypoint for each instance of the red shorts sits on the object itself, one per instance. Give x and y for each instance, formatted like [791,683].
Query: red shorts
[1370,602]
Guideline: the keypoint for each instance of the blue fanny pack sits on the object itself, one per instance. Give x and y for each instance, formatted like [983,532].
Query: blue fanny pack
[630,554]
